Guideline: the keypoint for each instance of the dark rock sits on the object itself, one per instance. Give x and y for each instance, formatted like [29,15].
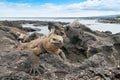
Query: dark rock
[109,20]
[116,38]
[59,29]
[17,76]
[32,36]
[92,55]
[11,24]
[28,29]
[4,28]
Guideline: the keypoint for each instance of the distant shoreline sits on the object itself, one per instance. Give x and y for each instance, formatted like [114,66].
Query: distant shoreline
[56,19]
[62,17]
[108,24]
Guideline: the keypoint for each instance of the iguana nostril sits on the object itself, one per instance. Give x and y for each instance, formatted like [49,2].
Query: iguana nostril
[60,41]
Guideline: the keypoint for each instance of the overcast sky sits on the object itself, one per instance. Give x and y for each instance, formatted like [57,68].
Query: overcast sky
[58,8]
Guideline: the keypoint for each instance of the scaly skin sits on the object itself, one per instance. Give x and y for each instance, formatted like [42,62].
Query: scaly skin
[52,44]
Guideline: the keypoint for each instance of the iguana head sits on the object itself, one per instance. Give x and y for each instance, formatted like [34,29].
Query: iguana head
[55,39]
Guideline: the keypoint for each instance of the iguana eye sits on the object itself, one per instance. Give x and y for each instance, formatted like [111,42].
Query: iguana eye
[54,39]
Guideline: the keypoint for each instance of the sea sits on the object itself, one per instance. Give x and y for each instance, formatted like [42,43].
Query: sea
[89,22]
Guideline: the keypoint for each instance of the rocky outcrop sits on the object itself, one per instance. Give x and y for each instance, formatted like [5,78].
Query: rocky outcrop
[109,20]
[92,55]
[32,36]
[18,25]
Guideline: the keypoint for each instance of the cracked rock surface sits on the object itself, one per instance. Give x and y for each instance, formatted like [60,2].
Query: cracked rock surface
[92,55]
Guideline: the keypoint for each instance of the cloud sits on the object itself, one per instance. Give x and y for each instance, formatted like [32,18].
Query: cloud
[100,5]
[82,9]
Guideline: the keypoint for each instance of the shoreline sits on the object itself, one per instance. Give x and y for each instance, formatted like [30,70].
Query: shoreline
[98,24]
[109,20]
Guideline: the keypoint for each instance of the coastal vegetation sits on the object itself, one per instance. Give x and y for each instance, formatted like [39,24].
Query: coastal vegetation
[118,16]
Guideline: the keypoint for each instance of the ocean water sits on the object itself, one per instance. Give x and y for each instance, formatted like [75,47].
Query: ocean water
[91,23]
[37,19]
[95,25]
[40,29]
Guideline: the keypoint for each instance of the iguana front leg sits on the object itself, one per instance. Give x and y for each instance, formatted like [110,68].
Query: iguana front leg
[62,54]
[34,61]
